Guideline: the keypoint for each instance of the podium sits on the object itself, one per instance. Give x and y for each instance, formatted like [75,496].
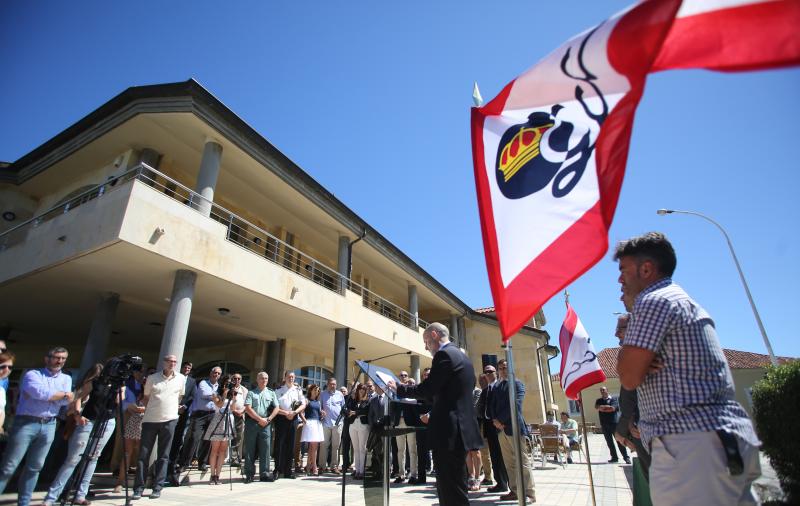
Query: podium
[376,476]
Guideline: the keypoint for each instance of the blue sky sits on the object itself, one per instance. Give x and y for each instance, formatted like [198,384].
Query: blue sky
[389,86]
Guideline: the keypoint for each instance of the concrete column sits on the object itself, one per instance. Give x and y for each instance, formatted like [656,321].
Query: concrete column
[273,359]
[413,305]
[340,348]
[259,359]
[343,264]
[100,331]
[207,176]
[415,371]
[454,337]
[180,311]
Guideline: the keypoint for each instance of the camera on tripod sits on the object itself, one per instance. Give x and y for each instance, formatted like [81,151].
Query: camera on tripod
[120,368]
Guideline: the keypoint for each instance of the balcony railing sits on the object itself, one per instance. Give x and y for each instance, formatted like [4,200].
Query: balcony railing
[239,231]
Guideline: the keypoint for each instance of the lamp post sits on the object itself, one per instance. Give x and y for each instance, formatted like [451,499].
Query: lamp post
[662,212]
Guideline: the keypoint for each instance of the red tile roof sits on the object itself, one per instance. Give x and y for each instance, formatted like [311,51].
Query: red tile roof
[736,360]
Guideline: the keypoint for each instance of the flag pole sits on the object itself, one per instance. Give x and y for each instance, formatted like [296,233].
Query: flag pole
[583,423]
[512,397]
[586,438]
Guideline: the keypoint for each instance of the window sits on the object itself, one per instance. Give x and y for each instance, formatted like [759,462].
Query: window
[307,375]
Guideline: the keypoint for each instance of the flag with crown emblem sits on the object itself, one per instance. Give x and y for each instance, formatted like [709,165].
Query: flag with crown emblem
[580,367]
[550,150]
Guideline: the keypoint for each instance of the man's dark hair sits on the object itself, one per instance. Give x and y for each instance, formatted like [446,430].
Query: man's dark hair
[57,349]
[652,246]
[186,363]
[502,361]
[564,413]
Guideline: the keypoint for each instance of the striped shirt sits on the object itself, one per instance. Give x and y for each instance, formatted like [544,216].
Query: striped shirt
[694,391]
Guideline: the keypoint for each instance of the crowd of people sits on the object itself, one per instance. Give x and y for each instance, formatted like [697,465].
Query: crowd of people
[699,444]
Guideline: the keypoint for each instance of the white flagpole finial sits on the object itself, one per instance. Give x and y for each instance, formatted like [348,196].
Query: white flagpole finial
[476,95]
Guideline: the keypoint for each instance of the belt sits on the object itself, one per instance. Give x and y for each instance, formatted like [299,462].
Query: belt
[38,419]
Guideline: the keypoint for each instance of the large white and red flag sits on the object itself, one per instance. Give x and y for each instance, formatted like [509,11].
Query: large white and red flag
[580,367]
[550,150]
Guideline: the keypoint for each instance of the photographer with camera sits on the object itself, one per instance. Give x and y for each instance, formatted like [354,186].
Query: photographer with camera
[220,429]
[96,399]
[162,394]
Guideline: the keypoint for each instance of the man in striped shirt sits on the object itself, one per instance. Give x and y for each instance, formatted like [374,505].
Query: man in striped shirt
[703,446]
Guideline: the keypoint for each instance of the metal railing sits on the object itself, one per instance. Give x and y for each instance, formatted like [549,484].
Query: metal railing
[238,230]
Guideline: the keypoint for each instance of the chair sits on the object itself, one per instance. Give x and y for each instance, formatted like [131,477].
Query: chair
[551,444]
[578,444]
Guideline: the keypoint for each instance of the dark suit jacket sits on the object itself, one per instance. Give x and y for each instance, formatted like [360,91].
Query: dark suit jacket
[188,395]
[375,415]
[500,406]
[449,388]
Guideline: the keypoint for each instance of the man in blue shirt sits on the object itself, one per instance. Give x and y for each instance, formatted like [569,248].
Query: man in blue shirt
[42,394]
[703,446]
[332,402]
[202,412]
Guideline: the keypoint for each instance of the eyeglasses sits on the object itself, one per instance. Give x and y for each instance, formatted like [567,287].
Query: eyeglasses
[403,375]
[4,367]
[237,379]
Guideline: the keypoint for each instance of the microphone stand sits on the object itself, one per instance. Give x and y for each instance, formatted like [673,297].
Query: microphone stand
[387,392]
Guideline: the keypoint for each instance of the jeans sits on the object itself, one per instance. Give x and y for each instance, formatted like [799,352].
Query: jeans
[257,442]
[31,437]
[77,445]
[164,431]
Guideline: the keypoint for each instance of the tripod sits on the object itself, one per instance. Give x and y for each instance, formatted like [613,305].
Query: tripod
[227,431]
[105,410]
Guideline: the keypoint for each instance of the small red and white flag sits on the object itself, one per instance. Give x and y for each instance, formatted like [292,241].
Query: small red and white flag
[580,367]
[550,150]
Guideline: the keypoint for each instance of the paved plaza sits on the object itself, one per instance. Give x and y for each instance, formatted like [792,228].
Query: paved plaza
[554,486]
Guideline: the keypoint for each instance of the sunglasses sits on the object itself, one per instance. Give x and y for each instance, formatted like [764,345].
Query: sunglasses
[403,375]
[489,371]
[4,367]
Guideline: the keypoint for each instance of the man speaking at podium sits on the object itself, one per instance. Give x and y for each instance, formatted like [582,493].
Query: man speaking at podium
[453,426]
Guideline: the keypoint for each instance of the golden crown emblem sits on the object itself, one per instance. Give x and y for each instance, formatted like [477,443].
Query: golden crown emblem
[521,149]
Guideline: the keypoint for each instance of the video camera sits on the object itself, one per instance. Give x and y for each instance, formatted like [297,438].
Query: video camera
[120,368]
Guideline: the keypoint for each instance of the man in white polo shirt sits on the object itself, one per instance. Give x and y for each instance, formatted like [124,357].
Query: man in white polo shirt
[162,394]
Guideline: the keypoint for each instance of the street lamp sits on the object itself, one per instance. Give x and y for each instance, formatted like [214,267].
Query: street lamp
[662,212]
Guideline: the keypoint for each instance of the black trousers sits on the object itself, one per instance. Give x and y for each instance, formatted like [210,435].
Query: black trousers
[164,431]
[284,442]
[193,442]
[608,433]
[496,456]
[451,475]
[344,450]
[423,459]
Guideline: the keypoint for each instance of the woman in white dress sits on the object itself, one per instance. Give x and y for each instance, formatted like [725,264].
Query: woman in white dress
[312,430]
[220,430]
